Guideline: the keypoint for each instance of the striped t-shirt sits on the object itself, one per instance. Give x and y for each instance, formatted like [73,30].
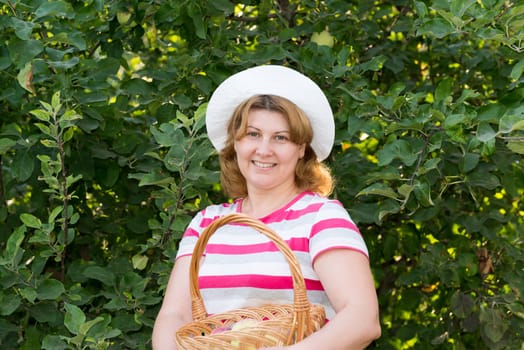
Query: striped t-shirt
[243,268]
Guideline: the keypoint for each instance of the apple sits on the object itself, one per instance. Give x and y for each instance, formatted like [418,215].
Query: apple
[245,323]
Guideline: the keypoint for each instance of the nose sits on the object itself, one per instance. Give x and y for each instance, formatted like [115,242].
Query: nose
[264,147]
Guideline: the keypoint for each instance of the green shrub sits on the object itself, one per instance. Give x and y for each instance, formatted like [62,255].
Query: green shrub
[104,157]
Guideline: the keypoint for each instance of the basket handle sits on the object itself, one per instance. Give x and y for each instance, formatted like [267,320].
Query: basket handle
[301,303]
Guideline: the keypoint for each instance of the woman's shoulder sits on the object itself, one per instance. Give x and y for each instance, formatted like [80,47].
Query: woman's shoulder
[210,213]
[308,198]
[220,209]
[311,202]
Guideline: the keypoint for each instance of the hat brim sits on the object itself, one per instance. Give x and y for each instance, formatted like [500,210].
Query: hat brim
[272,80]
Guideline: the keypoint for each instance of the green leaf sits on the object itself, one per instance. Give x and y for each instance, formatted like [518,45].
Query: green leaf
[430,164]
[45,129]
[5,145]
[485,132]
[56,105]
[115,304]
[454,120]
[68,135]
[378,189]
[151,179]
[30,220]
[440,339]
[482,179]
[443,90]
[22,52]
[493,324]
[74,219]
[140,261]
[455,21]
[86,326]
[420,8]
[468,262]
[54,342]
[104,275]
[465,95]
[400,149]
[41,115]
[50,289]
[74,318]
[374,65]
[168,134]
[516,146]
[5,62]
[422,192]
[511,122]
[437,27]
[73,38]
[517,70]
[388,207]
[23,166]
[69,115]
[49,143]
[55,8]
[198,21]
[67,64]
[32,338]
[29,294]
[516,309]
[227,7]
[22,28]
[41,237]
[46,312]
[459,7]
[9,303]
[469,162]
[72,179]
[137,87]
[25,77]
[405,190]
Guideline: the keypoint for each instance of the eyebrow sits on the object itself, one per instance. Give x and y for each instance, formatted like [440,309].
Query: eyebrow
[276,132]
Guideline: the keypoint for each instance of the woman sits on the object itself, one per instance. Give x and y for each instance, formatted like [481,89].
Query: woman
[273,126]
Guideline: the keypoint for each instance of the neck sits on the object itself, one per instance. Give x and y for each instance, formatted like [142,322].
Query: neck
[259,205]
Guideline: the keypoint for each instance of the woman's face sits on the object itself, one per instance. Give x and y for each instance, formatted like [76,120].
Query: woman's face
[265,154]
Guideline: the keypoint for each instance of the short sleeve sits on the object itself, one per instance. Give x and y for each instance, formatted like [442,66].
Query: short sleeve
[334,229]
[190,237]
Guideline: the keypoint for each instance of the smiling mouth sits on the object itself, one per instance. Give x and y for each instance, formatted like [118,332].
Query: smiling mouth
[263,165]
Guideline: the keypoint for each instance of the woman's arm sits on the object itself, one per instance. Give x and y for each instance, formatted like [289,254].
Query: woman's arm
[176,307]
[347,279]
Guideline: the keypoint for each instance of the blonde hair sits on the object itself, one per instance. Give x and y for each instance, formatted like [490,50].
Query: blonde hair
[310,174]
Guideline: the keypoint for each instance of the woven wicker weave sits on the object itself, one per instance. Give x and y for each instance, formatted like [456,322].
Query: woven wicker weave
[277,324]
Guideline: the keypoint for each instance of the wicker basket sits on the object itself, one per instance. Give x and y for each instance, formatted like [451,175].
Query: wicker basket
[279,324]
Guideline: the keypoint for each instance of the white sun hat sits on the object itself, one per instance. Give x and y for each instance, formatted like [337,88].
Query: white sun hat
[272,80]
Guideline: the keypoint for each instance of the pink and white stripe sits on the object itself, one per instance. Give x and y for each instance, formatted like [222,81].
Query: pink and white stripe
[243,268]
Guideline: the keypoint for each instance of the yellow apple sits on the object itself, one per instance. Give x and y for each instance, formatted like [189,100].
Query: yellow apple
[245,323]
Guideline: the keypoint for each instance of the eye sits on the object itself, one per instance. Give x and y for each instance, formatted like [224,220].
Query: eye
[281,138]
[252,133]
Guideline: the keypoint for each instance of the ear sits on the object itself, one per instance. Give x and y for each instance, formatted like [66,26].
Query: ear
[302,150]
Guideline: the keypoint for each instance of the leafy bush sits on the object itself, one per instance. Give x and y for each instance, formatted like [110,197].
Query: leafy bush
[104,158]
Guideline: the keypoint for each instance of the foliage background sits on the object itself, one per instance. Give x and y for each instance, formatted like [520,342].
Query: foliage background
[104,159]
